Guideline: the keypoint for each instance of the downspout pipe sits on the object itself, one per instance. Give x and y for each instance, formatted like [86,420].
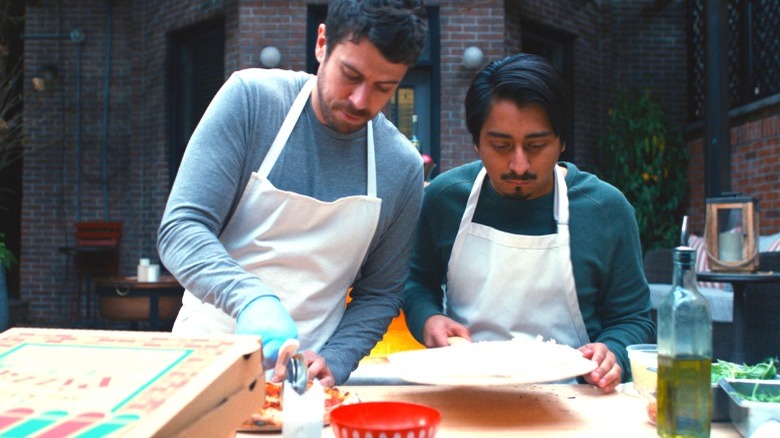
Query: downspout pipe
[106,101]
[717,147]
[77,36]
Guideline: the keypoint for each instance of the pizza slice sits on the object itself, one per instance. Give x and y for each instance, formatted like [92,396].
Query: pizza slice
[269,415]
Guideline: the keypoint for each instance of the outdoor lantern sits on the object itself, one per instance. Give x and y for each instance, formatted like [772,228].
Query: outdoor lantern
[731,233]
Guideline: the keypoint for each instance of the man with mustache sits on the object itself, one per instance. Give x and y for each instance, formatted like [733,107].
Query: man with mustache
[294,188]
[520,244]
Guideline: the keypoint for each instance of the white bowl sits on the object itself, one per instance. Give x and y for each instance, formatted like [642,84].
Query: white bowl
[644,367]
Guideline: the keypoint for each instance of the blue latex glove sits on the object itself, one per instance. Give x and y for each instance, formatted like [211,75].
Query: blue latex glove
[267,317]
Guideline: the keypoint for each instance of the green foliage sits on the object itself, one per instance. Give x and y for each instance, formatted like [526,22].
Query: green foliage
[7,258]
[11,132]
[648,164]
[11,128]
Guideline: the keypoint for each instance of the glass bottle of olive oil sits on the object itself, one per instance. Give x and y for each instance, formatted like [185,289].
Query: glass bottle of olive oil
[415,138]
[684,354]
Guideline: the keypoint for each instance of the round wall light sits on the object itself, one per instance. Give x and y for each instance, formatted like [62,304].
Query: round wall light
[270,57]
[472,57]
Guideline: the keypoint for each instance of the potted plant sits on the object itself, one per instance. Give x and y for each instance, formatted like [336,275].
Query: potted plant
[11,148]
[7,261]
[646,159]
[7,258]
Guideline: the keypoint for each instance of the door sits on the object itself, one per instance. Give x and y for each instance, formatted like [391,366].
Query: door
[556,46]
[196,71]
[413,98]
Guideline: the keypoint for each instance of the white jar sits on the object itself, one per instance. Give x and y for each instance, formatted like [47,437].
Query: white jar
[143,270]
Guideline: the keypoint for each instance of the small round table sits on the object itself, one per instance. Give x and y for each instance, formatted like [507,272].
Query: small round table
[127,299]
[739,281]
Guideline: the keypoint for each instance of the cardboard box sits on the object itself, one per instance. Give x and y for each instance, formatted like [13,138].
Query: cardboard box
[59,383]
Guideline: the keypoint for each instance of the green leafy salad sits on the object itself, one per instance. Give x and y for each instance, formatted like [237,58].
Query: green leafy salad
[729,370]
[762,371]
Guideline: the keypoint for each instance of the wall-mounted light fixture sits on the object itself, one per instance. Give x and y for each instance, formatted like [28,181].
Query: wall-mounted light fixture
[472,57]
[270,57]
[46,73]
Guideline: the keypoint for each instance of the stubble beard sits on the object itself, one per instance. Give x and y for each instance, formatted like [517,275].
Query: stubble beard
[329,115]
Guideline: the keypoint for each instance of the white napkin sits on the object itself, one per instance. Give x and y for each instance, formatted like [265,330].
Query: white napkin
[302,414]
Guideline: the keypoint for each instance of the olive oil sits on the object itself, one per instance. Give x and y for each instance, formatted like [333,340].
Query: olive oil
[684,354]
[684,396]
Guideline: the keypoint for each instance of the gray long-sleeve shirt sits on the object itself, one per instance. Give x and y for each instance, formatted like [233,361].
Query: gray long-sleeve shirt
[230,143]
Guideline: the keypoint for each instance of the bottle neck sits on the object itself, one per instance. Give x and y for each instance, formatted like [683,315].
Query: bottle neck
[684,274]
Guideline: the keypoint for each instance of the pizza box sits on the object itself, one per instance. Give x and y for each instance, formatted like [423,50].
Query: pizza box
[91,383]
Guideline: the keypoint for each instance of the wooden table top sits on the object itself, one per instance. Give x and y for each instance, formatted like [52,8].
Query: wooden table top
[525,410]
[165,281]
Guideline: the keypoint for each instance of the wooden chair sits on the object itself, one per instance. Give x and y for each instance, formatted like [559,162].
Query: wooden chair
[98,233]
[96,254]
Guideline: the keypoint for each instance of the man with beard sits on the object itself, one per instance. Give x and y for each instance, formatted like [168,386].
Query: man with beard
[496,234]
[294,188]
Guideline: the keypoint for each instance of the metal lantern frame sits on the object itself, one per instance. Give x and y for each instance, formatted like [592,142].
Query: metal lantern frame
[743,250]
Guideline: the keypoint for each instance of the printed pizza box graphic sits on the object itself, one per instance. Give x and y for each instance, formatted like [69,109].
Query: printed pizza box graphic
[85,383]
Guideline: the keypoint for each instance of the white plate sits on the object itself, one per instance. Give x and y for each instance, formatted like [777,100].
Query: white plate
[518,361]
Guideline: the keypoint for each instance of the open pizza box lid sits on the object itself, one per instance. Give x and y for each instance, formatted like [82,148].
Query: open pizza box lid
[126,384]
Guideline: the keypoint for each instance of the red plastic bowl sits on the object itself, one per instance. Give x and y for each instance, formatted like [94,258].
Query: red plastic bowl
[371,419]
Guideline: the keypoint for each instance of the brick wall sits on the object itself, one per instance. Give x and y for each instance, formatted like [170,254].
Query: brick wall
[582,20]
[50,180]
[463,24]
[755,167]
[650,51]
[616,44]
[122,143]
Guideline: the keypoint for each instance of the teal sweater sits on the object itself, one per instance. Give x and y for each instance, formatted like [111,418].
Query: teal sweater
[605,251]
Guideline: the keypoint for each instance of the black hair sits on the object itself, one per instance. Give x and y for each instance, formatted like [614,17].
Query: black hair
[523,79]
[396,27]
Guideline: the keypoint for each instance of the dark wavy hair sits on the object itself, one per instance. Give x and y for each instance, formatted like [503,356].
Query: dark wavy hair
[524,79]
[396,27]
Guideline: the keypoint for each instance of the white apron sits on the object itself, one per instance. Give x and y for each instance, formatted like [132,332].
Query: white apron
[502,285]
[295,244]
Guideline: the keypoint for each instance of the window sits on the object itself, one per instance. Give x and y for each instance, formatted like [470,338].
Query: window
[753,47]
[196,71]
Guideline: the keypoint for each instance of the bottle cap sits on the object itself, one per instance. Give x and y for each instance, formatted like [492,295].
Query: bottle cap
[144,262]
[685,254]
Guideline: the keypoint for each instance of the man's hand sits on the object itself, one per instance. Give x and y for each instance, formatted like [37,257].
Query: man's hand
[438,329]
[267,317]
[319,369]
[607,374]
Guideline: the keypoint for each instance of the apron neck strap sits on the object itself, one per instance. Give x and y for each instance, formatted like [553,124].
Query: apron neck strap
[561,209]
[287,127]
[371,157]
[561,199]
[471,204]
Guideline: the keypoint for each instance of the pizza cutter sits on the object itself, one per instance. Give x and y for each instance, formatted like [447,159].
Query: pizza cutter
[298,373]
[286,351]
